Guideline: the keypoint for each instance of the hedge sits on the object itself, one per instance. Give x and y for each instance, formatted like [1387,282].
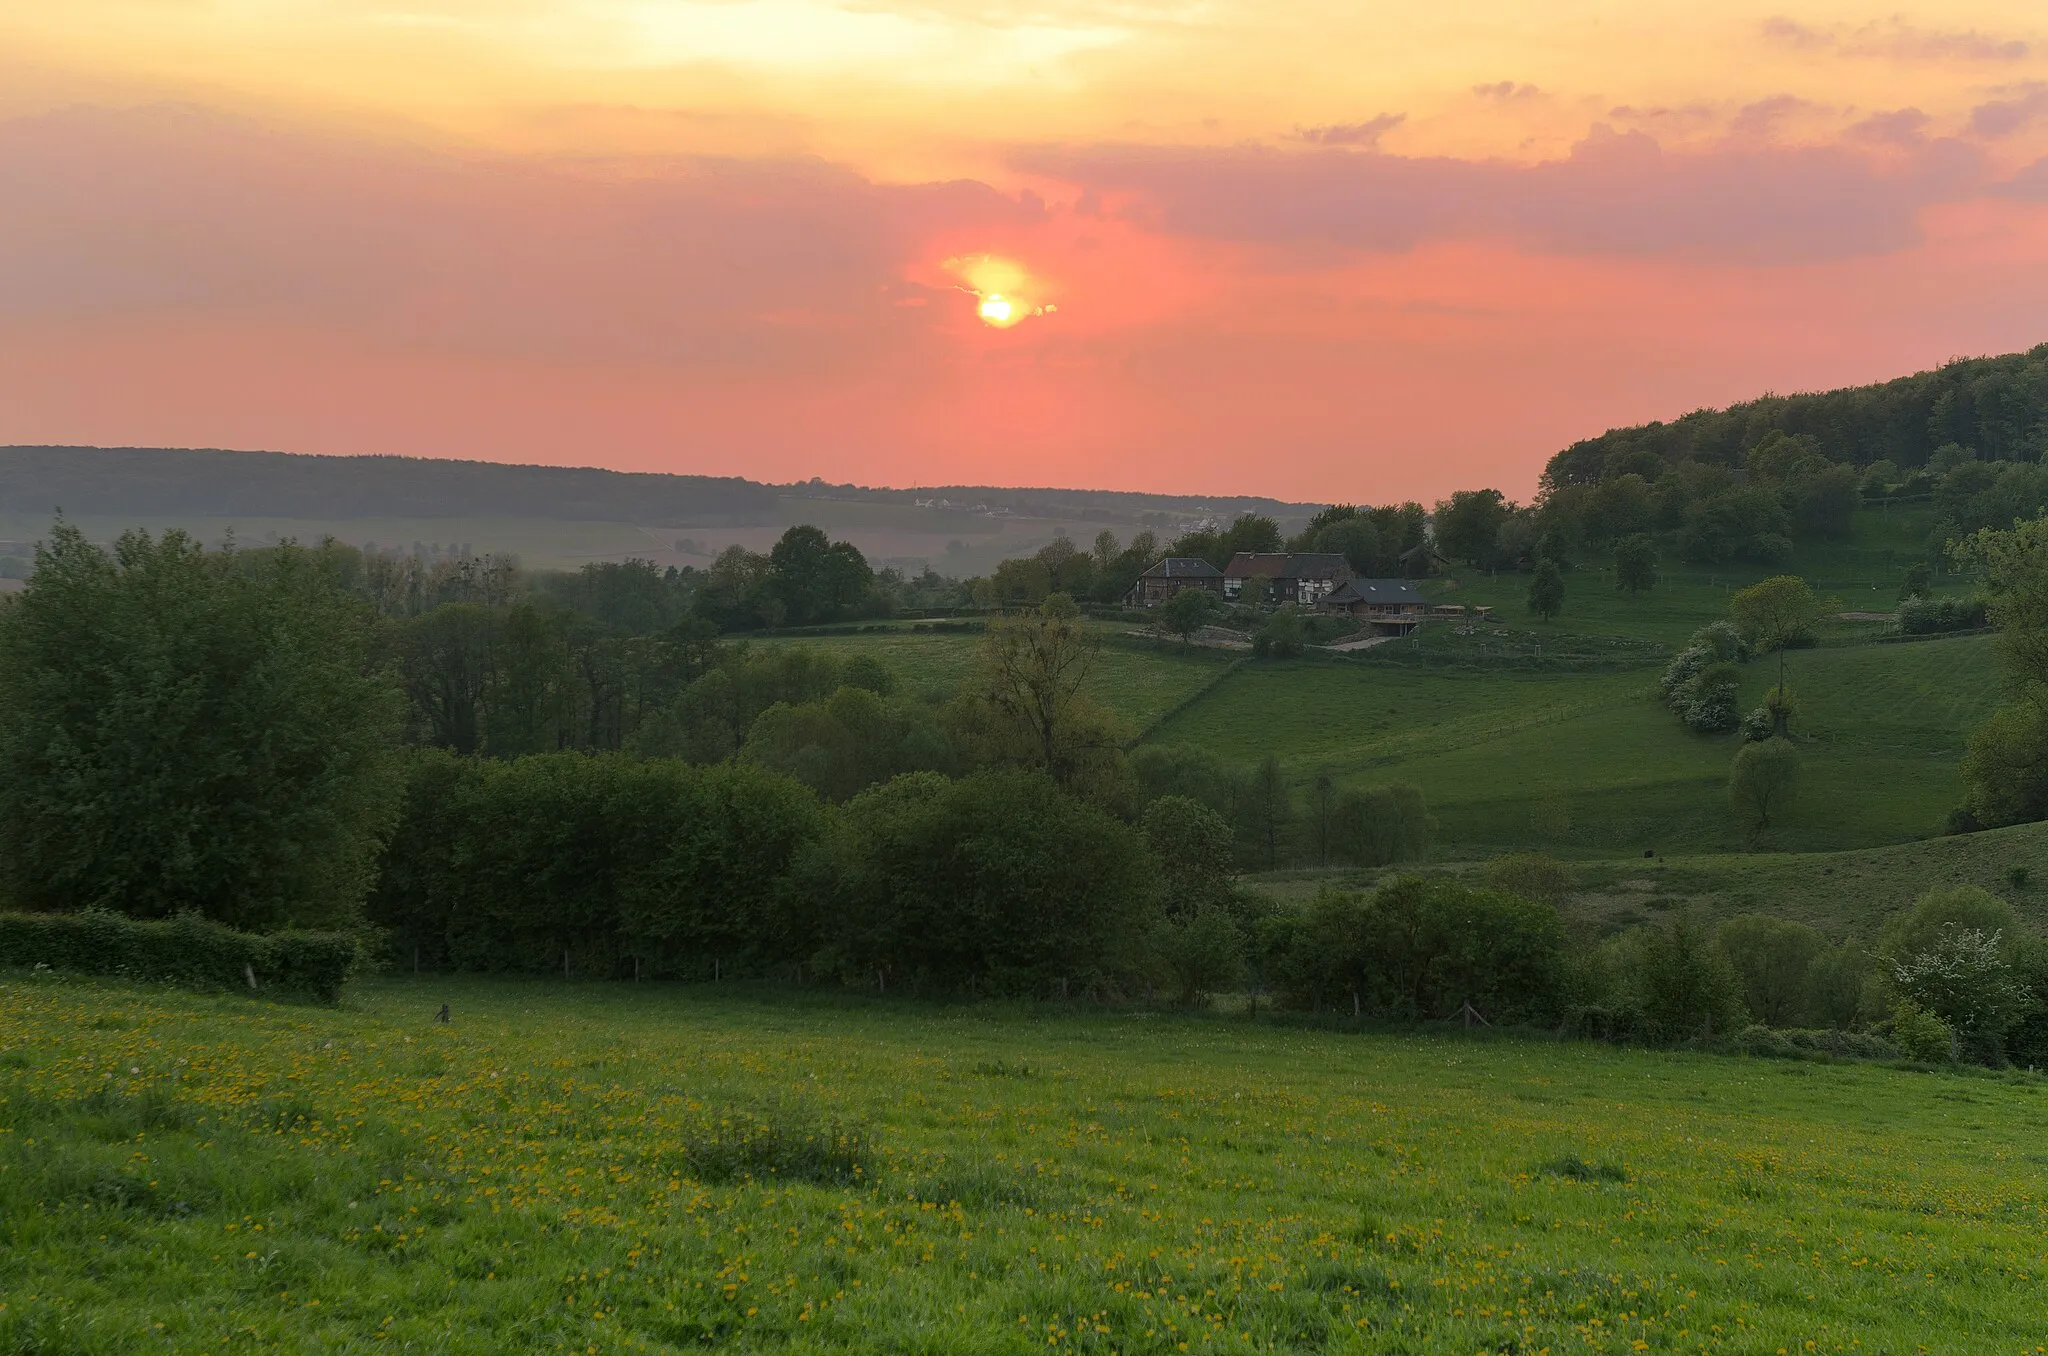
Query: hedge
[185,950]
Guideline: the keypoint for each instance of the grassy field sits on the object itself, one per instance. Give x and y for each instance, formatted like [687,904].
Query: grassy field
[211,1174]
[1139,681]
[1591,764]
[1862,571]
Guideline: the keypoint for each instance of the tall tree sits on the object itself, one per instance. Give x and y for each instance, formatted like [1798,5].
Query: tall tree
[181,732]
[1775,615]
[1034,668]
[1468,524]
[1635,563]
[1546,589]
[1187,612]
[1763,781]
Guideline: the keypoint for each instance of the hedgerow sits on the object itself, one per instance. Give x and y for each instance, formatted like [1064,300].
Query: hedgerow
[187,950]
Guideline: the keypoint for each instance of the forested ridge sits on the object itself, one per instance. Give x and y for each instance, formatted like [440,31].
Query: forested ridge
[1997,406]
[211,482]
[162,482]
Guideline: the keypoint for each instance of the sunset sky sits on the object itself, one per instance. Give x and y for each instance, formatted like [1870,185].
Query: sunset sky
[1316,250]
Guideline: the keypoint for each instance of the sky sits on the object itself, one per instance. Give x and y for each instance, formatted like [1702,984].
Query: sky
[1324,250]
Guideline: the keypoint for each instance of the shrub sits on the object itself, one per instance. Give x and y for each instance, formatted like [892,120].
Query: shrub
[1700,684]
[1922,1036]
[998,882]
[1707,703]
[610,861]
[1202,953]
[1931,616]
[1685,984]
[187,950]
[1423,949]
[1775,957]
[1765,1042]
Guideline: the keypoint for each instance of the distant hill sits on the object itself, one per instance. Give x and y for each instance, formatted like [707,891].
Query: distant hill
[156,482]
[1997,406]
[159,482]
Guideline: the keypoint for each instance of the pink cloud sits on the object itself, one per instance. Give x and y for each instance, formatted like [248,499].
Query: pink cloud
[171,276]
[1617,193]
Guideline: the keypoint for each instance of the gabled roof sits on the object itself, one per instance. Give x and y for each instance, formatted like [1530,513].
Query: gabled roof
[1183,567]
[1287,565]
[1400,592]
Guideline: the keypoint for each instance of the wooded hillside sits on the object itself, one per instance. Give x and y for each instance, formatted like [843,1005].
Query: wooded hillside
[158,482]
[1995,406]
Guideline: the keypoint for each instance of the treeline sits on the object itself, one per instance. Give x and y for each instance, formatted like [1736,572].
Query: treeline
[1998,406]
[188,730]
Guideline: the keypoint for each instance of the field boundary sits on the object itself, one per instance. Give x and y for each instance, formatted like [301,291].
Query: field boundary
[1190,699]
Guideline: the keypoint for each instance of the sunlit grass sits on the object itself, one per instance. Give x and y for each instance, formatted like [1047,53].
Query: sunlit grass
[197,1173]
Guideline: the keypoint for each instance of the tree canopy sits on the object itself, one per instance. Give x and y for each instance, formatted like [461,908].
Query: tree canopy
[182,729]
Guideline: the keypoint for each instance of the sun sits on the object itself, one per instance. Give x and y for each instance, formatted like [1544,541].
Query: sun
[1004,291]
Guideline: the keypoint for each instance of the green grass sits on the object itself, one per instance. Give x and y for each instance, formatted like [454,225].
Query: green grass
[210,1174]
[1863,571]
[1592,764]
[1137,680]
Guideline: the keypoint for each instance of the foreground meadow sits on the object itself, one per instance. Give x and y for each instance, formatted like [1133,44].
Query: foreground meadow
[562,1168]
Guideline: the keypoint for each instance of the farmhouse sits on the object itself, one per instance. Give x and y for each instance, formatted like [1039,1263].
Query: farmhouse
[1392,607]
[1169,576]
[1304,577]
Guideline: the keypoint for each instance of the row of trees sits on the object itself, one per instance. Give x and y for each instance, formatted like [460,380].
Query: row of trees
[220,731]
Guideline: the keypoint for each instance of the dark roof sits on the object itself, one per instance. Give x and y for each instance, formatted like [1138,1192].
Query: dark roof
[1377,591]
[1183,567]
[1287,565]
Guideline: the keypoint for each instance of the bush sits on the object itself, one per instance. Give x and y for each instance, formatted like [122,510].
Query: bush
[1685,984]
[1700,684]
[1201,954]
[1931,616]
[1765,1042]
[620,865]
[1707,704]
[186,950]
[1922,1036]
[996,883]
[1422,949]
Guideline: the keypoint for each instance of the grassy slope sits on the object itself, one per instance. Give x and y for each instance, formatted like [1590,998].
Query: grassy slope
[1863,571]
[1593,763]
[1094,1183]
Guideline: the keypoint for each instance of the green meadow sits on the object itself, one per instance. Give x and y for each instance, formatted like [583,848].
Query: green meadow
[1592,764]
[618,1168]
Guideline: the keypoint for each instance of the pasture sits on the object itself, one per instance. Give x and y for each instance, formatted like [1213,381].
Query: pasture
[1591,764]
[1862,572]
[566,1168]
